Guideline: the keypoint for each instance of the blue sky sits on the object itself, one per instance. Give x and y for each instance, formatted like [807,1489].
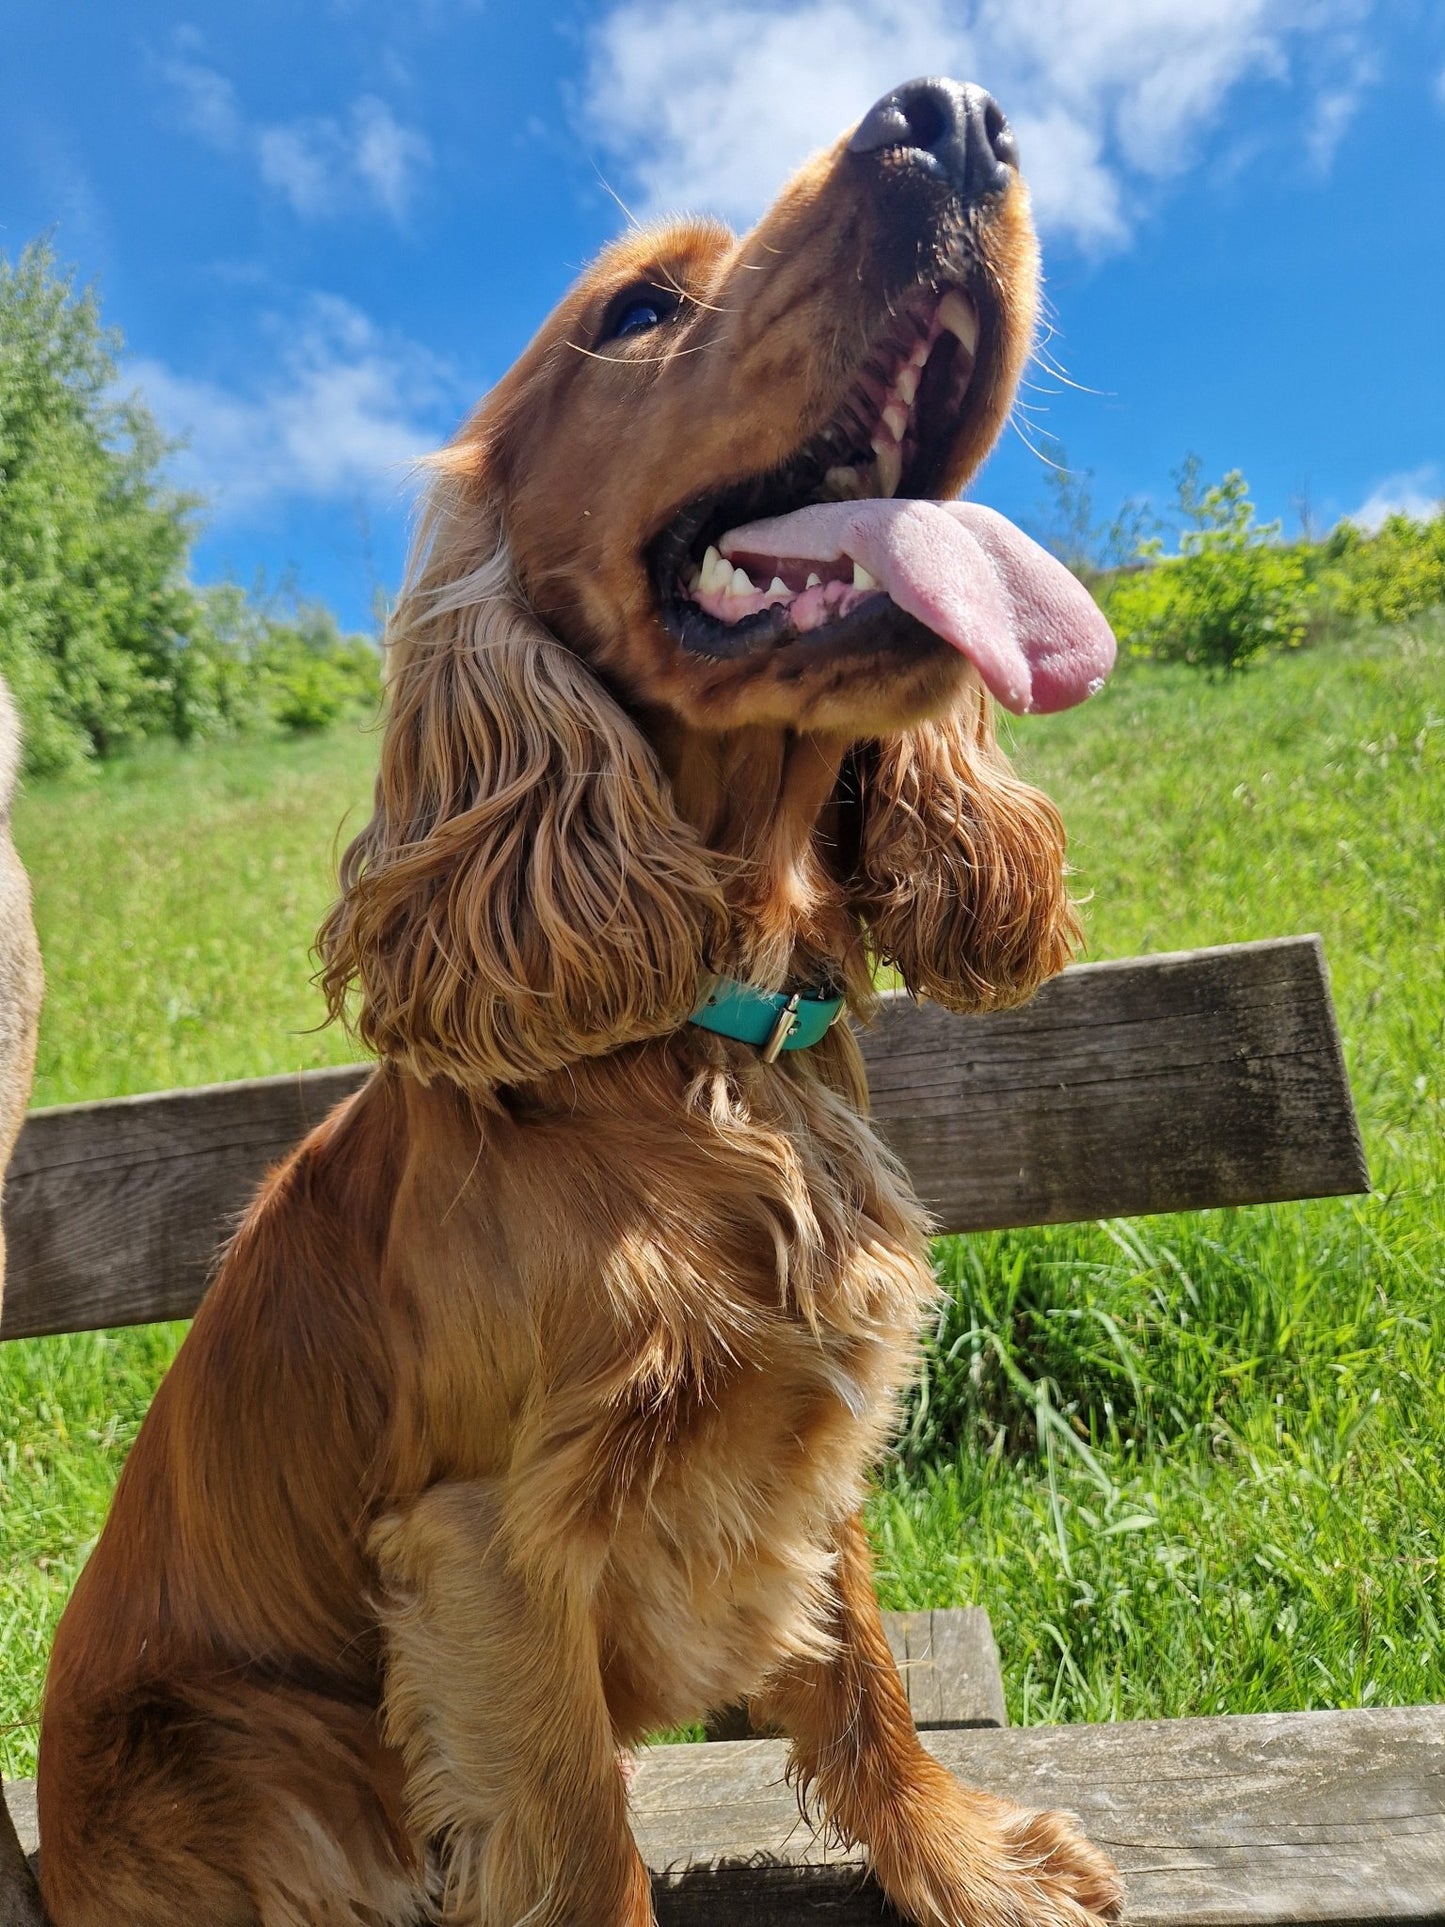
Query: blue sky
[325,229]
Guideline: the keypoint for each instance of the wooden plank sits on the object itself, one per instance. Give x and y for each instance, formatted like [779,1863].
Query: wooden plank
[1165,1083]
[1271,1820]
[1170,1083]
[113,1211]
[1247,1822]
[949,1665]
[19,1898]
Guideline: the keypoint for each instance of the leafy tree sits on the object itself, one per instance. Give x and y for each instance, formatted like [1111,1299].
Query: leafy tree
[93,603]
[1231,592]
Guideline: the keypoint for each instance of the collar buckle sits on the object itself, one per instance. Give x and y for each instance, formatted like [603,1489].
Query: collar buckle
[783,1027]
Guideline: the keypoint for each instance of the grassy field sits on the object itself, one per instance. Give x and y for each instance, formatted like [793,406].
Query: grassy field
[1190,1465]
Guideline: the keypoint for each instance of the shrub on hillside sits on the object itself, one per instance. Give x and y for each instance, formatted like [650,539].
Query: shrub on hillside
[246,665]
[1230,593]
[1390,576]
[313,675]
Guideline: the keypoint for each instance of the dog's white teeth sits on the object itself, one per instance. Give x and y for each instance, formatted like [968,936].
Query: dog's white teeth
[905,383]
[741,584]
[845,484]
[715,573]
[813,581]
[862,579]
[890,466]
[895,420]
[958,314]
[777,586]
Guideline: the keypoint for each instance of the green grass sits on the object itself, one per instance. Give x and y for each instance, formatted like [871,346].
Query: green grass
[177,894]
[1190,1464]
[1197,1464]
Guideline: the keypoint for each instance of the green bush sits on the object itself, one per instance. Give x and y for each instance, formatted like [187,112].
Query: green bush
[312,675]
[1390,576]
[1232,591]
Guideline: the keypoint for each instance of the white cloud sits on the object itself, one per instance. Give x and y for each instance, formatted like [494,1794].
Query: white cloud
[321,164]
[713,107]
[342,410]
[386,155]
[207,102]
[1416,492]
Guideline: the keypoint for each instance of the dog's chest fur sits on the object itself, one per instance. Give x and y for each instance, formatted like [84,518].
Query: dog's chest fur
[708,1372]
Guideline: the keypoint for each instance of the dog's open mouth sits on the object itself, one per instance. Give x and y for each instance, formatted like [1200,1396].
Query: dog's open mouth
[814,552]
[891,436]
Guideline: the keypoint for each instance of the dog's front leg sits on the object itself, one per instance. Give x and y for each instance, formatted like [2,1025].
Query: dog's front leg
[494,1696]
[946,1855]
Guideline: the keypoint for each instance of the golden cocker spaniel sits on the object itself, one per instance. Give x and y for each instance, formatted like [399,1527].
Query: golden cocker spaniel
[532,1406]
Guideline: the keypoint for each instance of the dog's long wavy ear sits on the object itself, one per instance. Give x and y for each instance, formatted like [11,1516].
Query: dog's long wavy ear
[525,892]
[959,875]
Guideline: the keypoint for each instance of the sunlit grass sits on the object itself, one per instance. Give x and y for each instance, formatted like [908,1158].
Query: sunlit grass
[1189,1464]
[1197,1464]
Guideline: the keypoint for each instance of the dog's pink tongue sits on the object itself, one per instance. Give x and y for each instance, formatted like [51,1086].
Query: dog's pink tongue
[1031,629]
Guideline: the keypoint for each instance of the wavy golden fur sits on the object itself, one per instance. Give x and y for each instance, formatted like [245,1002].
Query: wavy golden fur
[532,1407]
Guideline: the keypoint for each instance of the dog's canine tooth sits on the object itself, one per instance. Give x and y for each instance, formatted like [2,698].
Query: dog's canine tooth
[862,579]
[714,570]
[890,466]
[895,420]
[958,314]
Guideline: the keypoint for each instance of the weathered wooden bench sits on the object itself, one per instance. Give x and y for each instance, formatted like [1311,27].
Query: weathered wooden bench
[1167,1083]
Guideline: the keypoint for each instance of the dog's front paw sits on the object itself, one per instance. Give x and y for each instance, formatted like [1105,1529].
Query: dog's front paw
[954,1857]
[1075,1882]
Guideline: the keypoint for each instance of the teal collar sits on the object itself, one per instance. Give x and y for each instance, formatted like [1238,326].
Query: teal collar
[770,1020]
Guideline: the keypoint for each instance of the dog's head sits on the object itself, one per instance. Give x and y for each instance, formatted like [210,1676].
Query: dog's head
[703,520]
[863,341]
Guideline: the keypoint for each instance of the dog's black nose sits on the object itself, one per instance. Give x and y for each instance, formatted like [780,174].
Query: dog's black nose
[961,130]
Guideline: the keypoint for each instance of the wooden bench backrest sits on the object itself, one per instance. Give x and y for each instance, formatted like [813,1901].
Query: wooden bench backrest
[1170,1083]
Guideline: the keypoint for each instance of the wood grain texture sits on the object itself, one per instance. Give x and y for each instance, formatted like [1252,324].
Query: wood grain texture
[114,1211]
[1246,1822]
[1272,1820]
[1169,1083]
[1165,1083]
[949,1665]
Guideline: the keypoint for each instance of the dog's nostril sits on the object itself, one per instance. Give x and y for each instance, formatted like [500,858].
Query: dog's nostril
[961,129]
[928,118]
[999,134]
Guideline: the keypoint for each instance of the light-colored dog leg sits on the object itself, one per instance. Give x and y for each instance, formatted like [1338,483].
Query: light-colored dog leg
[946,1855]
[20,991]
[495,1698]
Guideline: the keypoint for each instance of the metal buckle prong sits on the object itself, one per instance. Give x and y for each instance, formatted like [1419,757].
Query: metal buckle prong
[783,1027]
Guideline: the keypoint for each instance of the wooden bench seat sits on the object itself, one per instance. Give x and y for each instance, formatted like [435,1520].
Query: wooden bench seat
[1265,1820]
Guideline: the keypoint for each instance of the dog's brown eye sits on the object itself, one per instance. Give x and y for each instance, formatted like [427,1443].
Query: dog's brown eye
[638,309]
